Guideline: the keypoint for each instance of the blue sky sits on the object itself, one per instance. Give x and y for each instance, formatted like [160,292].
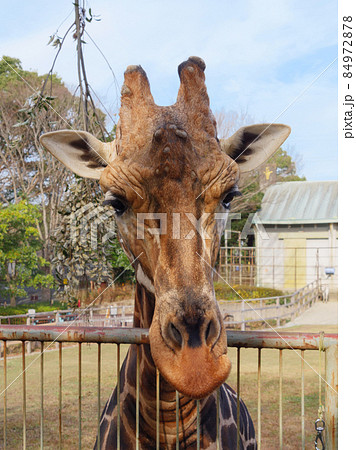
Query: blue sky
[262,57]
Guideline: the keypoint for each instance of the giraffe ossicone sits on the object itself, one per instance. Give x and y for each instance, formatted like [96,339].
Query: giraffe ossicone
[168,160]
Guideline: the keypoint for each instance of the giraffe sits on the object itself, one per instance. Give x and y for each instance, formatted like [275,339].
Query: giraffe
[168,163]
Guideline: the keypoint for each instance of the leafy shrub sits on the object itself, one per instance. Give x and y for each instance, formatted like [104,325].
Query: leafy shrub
[224,292]
[23,309]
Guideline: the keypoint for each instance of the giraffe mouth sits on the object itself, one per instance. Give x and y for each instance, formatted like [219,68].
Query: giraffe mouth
[195,371]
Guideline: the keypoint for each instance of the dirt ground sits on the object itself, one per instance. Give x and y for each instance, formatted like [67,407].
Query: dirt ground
[320,313]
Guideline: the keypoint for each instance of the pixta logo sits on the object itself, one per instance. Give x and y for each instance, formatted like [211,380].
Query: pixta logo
[85,222]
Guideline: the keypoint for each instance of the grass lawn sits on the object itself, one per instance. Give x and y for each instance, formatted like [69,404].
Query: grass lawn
[22,309]
[269,389]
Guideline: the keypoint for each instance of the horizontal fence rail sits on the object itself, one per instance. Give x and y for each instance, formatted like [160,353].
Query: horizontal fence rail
[235,312]
[74,334]
[279,308]
[261,340]
[246,339]
[118,315]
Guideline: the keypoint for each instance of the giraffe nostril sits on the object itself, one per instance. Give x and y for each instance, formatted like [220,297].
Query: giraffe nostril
[208,328]
[175,335]
[211,333]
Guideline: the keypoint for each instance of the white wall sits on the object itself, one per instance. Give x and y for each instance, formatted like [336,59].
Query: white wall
[316,248]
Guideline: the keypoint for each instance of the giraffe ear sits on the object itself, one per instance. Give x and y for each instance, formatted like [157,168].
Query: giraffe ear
[79,151]
[252,145]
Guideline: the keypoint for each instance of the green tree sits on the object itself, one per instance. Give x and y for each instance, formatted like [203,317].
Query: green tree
[286,167]
[76,261]
[122,268]
[87,251]
[32,104]
[27,110]
[12,73]
[281,167]
[20,264]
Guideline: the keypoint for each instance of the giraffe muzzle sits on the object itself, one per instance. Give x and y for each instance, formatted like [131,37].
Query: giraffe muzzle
[191,353]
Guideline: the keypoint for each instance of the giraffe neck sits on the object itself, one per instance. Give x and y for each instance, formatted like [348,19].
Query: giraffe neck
[144,309]
[187,408]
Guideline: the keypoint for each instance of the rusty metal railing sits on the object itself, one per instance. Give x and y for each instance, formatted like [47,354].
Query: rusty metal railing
[279,308]
[259,340]
[239,312]
[117,315]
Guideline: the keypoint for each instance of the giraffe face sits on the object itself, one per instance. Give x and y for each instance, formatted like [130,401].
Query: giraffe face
[172,202]
[167,176]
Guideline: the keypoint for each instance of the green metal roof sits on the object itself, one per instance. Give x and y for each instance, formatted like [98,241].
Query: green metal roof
[297,202]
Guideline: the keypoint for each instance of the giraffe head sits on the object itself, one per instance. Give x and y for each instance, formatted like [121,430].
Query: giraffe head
[167,176]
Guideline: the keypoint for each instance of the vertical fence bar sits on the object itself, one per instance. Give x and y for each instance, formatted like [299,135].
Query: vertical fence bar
[118,396]
[157,409]
[278,303]
[331,388]
[273,267]
[177,420]
[259,400]
[317,268]
[29,343]
[295,268]
[240,267]
[42,392]
[302,401]
[198,424]
[24,395]
[243,315]
[60,396]
[137,397]
[5,394]
[238,394]
[280,399]
[230,266]
[218,419]
[99,388]
[80,395]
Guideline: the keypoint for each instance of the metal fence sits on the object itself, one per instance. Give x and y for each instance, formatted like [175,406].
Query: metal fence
[278,310]
[271,310]
[282,342]
[237,265]
[113,315]
[279,267]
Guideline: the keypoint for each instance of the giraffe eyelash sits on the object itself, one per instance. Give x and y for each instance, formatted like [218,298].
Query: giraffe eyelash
[117,203]
[229,196]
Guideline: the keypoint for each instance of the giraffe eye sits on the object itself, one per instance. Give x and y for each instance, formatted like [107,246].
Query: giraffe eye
[119,206]
[226,202]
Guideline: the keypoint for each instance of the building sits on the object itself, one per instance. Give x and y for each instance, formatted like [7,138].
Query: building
[296,235]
